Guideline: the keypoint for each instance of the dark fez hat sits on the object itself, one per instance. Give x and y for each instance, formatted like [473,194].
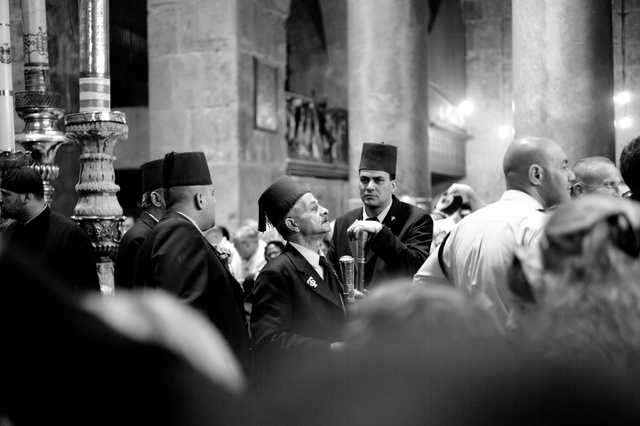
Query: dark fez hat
[152,175]
[23,180]
[379,156]
[185,169]
[276,201]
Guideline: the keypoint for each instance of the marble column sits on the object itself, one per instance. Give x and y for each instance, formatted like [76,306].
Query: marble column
[388,87]
[563,74]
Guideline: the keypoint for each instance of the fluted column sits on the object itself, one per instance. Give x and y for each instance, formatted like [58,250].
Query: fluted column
[563,74]
[388,86]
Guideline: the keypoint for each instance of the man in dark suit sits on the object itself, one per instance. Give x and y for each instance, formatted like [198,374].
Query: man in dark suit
[177,257]
[52,242]
[399,234]
[298,310]
[153,208]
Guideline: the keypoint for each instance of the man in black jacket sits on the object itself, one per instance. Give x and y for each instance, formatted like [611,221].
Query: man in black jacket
[399,234]
[177,257]
[153,208]
[298,310]
[53,243]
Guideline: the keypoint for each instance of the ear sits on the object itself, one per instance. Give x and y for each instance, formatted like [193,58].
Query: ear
[393,186]
[536,174]
[155,199]
[579,189]
[27,198]
[199,201]
[291,224]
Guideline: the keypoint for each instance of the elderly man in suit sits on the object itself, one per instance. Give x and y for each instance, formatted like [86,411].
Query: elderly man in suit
[399,234]
[297,305]
[153,208]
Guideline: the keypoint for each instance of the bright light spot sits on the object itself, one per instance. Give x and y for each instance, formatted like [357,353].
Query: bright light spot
[505,131]
[624,123]
[622,98]
[465,107]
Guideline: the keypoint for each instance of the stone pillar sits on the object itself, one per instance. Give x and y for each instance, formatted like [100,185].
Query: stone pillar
[388,87]
[202,93]
[563,74]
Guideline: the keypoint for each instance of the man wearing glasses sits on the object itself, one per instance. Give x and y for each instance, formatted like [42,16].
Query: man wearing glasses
[596,175]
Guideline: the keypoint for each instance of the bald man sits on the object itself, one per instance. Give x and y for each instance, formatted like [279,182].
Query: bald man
[596,175]
[478,252]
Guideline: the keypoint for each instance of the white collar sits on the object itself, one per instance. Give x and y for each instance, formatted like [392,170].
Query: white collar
[193,222]
[381,216]
[312,258]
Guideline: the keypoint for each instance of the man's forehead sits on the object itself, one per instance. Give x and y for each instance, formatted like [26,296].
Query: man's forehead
[374,173]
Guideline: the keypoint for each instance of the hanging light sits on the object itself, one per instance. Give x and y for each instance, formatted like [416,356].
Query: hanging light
[505,131]
[622,98]
[624,123]
[465,107]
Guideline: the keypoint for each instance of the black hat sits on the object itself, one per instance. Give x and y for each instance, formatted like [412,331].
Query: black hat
[448,204]
[276,201]
[185,169]
[152,175]
[23,180]
[379,156]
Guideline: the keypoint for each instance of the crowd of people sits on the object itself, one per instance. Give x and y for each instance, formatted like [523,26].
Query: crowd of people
[521,311]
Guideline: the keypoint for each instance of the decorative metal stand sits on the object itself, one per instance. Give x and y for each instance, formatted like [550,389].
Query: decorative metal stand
[37,105]
[40,112]
[96,129]
[98,210]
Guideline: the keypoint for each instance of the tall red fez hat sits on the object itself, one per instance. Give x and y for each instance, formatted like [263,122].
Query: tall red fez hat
[379,156]
[276,201]
[185,169]
[23,180]
[152,175]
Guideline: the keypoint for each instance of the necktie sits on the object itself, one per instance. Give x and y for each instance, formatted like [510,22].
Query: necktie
[331,278]
[375,219]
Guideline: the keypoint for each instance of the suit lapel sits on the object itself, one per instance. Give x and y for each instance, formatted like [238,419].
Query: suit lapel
[310,278]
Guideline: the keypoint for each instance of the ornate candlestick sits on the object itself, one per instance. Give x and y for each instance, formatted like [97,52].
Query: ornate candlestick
[7,138]
[37,106]
[96,129]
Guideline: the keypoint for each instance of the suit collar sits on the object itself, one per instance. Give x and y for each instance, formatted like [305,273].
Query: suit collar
[309,277]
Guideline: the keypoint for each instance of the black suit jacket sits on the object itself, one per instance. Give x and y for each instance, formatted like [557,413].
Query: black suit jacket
[176,257]
[397,251]
[128,249]
[55,245]
[294,314]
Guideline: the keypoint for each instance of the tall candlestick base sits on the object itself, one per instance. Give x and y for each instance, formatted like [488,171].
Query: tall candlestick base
[98,210]
[41,111]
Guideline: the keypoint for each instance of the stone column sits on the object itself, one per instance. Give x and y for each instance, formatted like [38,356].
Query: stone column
[563,74]
[388,87]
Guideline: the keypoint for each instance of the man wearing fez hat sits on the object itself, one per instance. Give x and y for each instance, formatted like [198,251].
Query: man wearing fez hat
[153,208]
[399,234]
[297,304]
[177,257]
[54,244]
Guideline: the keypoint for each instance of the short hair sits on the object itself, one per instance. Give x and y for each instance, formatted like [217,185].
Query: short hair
[276,243]
[630,164]
[246,231]
[177,194]
[146,198]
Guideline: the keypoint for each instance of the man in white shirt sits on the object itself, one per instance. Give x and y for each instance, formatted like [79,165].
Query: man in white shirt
[250,253]
[478,252]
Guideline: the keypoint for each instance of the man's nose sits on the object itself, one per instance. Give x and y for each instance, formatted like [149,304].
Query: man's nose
[571,177]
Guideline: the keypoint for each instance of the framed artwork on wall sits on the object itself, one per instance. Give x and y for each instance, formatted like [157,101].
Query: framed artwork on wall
[266,100]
